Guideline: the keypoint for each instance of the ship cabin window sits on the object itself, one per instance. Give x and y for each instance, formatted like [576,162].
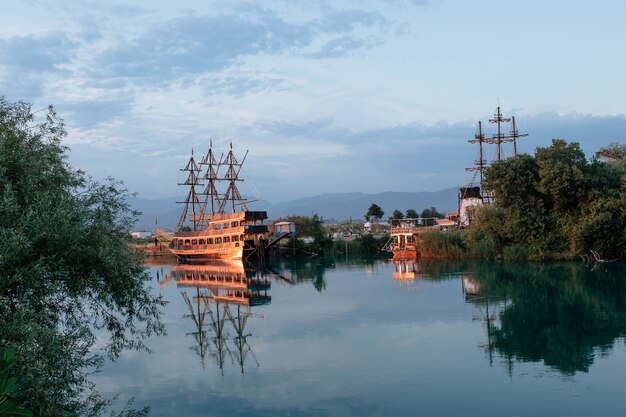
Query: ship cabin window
[202,242]
[235,238]
[210,240]
[194,241]
[226,239]
[243,237]
[234,224]
[218,240]
[225,225]
[217,226]
[186,241]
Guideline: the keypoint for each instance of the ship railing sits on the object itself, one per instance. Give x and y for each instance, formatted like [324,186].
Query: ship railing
[403,230]
[205,247]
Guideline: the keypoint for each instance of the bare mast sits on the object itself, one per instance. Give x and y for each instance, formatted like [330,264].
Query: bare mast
[481,162]
[192,199]
[515,135]
[210,192]
[232,193]
[499,138]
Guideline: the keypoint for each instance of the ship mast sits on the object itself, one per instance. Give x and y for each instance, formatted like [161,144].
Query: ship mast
[210,191]
[232,193]
[481,162]
[499,138]
[515,135]
[192,197]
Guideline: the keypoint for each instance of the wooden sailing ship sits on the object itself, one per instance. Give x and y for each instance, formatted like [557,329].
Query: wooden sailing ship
[474,195]
[214,224]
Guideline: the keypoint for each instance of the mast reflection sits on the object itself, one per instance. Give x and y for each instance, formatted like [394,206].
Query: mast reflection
[220,296]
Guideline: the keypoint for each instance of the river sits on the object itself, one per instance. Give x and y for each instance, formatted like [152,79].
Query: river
[377,338]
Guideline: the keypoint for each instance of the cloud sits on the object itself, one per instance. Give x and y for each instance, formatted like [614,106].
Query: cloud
[93,112]
[239,84]
[37,54]
[29,60]
[174,50]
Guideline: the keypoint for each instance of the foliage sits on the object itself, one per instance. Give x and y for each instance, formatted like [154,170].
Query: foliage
[397,215]
[321,242]
[431,213]
[555,204]
[303,224]
[440,244]
[66,270]
[411,214]
[615,152]
[11,386]
[374,213]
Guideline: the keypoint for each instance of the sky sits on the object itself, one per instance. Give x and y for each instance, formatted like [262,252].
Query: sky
[327,96]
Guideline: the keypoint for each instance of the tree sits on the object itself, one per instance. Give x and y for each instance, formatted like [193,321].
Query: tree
[397,215]
[553,204]
[562,169]
[66,270]
[374,213]
[430,212]
[411,214]
[320,240]
[613,153]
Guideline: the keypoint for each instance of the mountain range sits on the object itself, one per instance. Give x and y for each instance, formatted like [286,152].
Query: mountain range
[164,212]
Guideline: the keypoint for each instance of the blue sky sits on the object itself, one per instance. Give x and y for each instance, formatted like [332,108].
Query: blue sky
[328,96]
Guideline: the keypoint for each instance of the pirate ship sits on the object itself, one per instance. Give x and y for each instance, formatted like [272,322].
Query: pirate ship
[214,224]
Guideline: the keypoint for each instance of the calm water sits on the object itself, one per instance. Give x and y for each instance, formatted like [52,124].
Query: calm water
[373,339]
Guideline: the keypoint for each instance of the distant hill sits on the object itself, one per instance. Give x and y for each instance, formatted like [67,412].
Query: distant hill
[332,207]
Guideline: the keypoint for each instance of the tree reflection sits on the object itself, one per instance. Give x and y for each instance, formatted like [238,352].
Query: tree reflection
[298,272]
[561,314]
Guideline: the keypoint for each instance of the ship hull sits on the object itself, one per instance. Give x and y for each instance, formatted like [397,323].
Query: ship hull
[228,237]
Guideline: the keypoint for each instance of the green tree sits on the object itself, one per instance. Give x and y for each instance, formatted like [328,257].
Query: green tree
[411,214]
[11,386]
[321,241]
[374,213]
[66,271]
[552,205]
[397,215]
[562,169]
[430,212]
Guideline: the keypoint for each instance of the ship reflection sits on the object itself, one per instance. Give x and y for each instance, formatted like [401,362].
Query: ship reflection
[220,296]
[405,270]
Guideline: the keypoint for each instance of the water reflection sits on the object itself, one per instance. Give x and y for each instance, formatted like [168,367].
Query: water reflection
[299,272]
[220,297]
[405,270]
[564,315]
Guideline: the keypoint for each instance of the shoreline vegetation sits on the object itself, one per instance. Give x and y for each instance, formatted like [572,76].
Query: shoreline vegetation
[555,205]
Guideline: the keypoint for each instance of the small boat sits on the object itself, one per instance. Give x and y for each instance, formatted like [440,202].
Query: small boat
[404,236]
